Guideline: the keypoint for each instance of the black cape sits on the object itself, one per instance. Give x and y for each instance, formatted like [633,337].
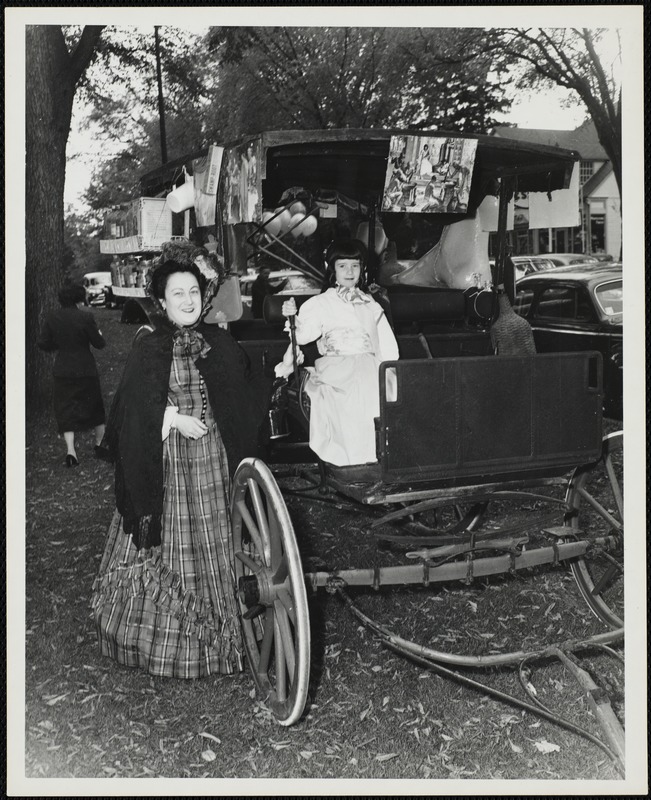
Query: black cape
[133,430]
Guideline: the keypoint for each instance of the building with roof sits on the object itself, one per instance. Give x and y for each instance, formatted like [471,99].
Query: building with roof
[600,205]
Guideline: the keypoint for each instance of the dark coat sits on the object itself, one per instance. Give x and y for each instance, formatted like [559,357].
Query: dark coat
[133,431]
[71,331]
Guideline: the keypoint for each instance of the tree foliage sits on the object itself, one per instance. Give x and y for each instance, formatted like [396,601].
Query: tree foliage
[241,80]
[570,58]
[352,77]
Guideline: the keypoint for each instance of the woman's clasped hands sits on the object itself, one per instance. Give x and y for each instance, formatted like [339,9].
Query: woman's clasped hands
[190,427]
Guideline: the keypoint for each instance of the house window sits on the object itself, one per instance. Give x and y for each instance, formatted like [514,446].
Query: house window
[586,170]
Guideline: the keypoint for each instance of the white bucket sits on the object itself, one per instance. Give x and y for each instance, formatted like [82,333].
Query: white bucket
[182,197]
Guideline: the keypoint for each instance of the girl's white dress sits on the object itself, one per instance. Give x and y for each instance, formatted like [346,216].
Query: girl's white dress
[353,337]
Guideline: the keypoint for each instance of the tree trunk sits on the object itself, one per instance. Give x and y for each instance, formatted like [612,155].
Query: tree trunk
[51,78]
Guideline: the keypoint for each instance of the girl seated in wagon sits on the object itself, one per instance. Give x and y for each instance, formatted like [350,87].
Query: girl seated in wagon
[353,338]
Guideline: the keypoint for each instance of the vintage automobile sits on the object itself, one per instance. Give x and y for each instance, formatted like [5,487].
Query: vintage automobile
[566,259]
[295,283]
[96,286]
[578,308]
[525,265]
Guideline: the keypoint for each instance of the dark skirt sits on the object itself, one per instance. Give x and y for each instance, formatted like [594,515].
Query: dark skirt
[78,403]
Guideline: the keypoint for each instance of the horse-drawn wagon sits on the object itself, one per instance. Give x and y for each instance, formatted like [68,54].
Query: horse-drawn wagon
[478,417]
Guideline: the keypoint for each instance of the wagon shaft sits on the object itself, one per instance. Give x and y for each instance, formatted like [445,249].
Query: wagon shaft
[467,570]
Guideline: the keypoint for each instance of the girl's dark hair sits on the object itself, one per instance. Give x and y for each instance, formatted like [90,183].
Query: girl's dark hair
[345,248]
[70,294]
[160,276]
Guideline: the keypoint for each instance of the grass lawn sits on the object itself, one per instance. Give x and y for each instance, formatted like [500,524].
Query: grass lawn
[371,713]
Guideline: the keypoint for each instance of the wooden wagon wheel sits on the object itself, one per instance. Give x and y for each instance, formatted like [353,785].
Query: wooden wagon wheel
[271,591]
[596,504]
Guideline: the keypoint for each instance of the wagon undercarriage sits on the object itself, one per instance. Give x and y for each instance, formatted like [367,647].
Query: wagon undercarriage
[451,547]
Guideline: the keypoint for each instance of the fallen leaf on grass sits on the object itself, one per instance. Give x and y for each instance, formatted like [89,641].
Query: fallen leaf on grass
[210,736]
[546,747]
[515,747]
[385,756]
[306,754]
[208,755]
[51,700]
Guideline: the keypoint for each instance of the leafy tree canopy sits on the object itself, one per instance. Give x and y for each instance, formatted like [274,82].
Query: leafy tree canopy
[240,80]
[585,61]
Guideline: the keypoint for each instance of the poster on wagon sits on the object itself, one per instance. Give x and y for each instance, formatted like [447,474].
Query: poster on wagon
[242,183]
[429,174]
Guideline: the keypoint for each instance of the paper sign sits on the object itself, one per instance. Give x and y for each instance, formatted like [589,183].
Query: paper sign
[561,211]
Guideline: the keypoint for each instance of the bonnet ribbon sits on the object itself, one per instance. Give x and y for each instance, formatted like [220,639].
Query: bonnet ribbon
[351,294]
[192,342]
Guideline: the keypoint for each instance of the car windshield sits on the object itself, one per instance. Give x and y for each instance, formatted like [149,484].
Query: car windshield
[609,297]
[301,283]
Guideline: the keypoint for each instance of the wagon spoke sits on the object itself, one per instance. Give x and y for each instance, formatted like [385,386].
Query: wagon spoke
[615,524]
[614,485]
[251,527]
[614,571]
[267,641]
[261,516]
[281,669]
[286,636]
[599,573]
[249,562]
[282,571]
[288,604]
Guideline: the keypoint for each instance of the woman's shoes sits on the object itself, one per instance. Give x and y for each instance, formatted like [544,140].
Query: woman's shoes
[71,461]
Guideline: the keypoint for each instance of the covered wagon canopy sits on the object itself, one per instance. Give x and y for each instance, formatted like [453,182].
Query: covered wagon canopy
[353,162]
[421,188]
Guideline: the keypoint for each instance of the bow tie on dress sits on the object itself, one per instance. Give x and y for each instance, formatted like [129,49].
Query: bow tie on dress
[192,342]
[351,294]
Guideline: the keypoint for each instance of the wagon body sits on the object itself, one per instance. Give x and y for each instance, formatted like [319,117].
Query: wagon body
[466,424]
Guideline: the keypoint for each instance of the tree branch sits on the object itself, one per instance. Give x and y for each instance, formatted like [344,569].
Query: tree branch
[84,51]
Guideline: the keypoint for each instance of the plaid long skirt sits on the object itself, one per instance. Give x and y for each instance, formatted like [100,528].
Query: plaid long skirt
[171,610]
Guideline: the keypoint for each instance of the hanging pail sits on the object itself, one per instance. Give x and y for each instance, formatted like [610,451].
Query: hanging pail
[182,197]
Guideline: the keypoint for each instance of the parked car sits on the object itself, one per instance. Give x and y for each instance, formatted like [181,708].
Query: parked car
[97,286]
[566,259]
[578,308]
[297,283]
[525,265]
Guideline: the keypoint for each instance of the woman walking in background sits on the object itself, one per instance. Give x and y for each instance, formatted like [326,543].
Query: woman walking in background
[70,331]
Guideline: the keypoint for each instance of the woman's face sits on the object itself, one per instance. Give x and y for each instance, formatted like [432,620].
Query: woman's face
[347,271]
[182,301]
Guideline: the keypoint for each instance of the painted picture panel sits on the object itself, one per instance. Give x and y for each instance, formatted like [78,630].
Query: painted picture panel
[242,188]
[429,174]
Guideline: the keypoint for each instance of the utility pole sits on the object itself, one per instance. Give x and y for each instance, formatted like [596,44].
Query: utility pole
[161,104]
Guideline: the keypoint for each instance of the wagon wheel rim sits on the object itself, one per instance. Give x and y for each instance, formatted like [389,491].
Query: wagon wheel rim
[275,626]
[600,575]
